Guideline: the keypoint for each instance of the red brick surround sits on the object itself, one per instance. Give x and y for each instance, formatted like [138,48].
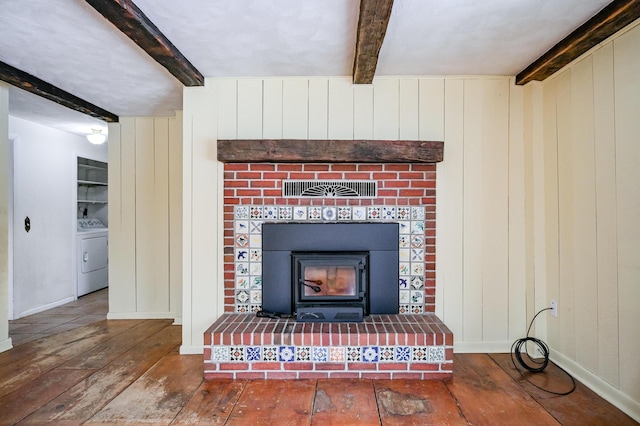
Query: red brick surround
[398,184]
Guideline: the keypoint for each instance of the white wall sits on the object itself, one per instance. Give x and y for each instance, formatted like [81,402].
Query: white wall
[588,165]
[44,268]
[5,341]
[145,218]
[482,276]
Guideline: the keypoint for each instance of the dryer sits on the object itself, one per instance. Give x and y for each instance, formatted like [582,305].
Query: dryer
[93,256]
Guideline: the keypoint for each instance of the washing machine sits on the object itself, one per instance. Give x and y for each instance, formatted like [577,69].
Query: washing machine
[93,255]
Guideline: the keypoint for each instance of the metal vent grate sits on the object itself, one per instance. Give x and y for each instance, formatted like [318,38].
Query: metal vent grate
[330,188]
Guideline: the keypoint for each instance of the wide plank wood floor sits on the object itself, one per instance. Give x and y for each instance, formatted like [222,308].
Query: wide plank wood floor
[71,366]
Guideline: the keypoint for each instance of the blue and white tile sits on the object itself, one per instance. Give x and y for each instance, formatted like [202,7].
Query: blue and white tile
[370,354]
[270,213]
[300,213]
[256,212]
[329,213]
[242,226]
[436,354]
[242,254]
[404,227]
[254,353]
[388,213]
[417,255]
[417,227]
[242,268]
[255,226]
[404,241]
[220,354]
[320,354]
[241,212]
[403,282]
[359,213]
[403,353]
[287,354]
[417,297]
[417,213]
[417,241]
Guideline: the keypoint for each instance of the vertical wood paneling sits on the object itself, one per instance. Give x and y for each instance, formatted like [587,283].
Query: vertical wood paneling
[295,110]
[431,109]
[566,215]
[449,212]
[584,221]
[249,109]
[272,109]
[606,214]
[495,210]
[363,111]
[227,108]
[385,109]
[627,105]
[340,109]
[473,210]
[408,109]
[318,108]
[160,234]
[146,279]
[520,220]
[175,215]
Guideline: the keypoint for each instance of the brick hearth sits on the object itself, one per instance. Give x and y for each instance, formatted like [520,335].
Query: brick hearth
[240,346]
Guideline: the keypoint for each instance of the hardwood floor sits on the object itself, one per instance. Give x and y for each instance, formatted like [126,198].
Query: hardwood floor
[71,366]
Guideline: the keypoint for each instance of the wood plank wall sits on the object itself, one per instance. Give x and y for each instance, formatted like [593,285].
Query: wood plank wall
[592,215]
[481,275]
[145,217]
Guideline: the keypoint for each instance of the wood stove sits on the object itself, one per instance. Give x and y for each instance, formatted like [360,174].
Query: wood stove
[330,272]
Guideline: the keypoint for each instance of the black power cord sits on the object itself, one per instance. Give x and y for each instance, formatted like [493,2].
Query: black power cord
[517,351]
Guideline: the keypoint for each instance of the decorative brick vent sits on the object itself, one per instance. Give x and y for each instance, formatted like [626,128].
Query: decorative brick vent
[241,346]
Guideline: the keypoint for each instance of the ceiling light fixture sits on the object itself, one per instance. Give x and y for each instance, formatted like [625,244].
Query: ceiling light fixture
[96,137]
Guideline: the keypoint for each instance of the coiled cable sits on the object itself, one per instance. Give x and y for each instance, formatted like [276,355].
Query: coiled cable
[520,346]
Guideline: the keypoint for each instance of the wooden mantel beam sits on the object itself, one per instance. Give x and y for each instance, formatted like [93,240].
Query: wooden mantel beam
[372,27]
[329,151]
[32,84]
[129,19]
[615,16]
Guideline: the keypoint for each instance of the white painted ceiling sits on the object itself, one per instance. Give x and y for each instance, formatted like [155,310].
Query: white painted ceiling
[70,45]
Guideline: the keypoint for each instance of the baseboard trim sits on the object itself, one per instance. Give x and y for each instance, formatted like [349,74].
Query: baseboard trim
[143,315]
[191,350]
[45,307]
[6,344]
[498,346]
[599,386]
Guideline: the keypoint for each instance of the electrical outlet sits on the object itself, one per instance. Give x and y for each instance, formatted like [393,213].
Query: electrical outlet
[554,308]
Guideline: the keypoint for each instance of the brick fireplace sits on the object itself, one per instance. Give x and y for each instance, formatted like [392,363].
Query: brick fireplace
[412,344]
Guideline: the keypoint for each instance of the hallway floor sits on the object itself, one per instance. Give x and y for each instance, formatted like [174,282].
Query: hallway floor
[71,366]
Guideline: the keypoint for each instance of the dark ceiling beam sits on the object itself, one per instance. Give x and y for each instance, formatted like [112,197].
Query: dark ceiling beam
[129,19]
[25,81]
[615,16]
[372,27]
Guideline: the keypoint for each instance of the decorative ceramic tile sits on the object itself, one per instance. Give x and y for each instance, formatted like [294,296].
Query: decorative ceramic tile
[404,309]
[388,213]
[417,241]
[370,354]
[242,226]
[417,213]
[255,308]
[354,353]
[315,213]
[337,354]
[270,212]
[386,353]
[242,268]
[270,353]
[359,213]
[256,283]
[417,282]
[255,268]
[236,353]
[344,213]
[255,241]
[404,255]
[403,213]
[404,241]
[242,240]
[285,213]
[417,297]
[373,213]
[436,354]
[417,228]
[417,268]
[405,296]
[417,255]
[242,282]
[253,353]
[242,212]
[329,213]
[255,255]
[418,353]
[300,213]
[404,268]
[242,296]
[320,354]
[242,254]
[255,297]
[242,309]
[403,353]
[255,227]
[287,353]
[403,282]
[417,309]
[404,227]
[220,354]
[303,353]
[256,212]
